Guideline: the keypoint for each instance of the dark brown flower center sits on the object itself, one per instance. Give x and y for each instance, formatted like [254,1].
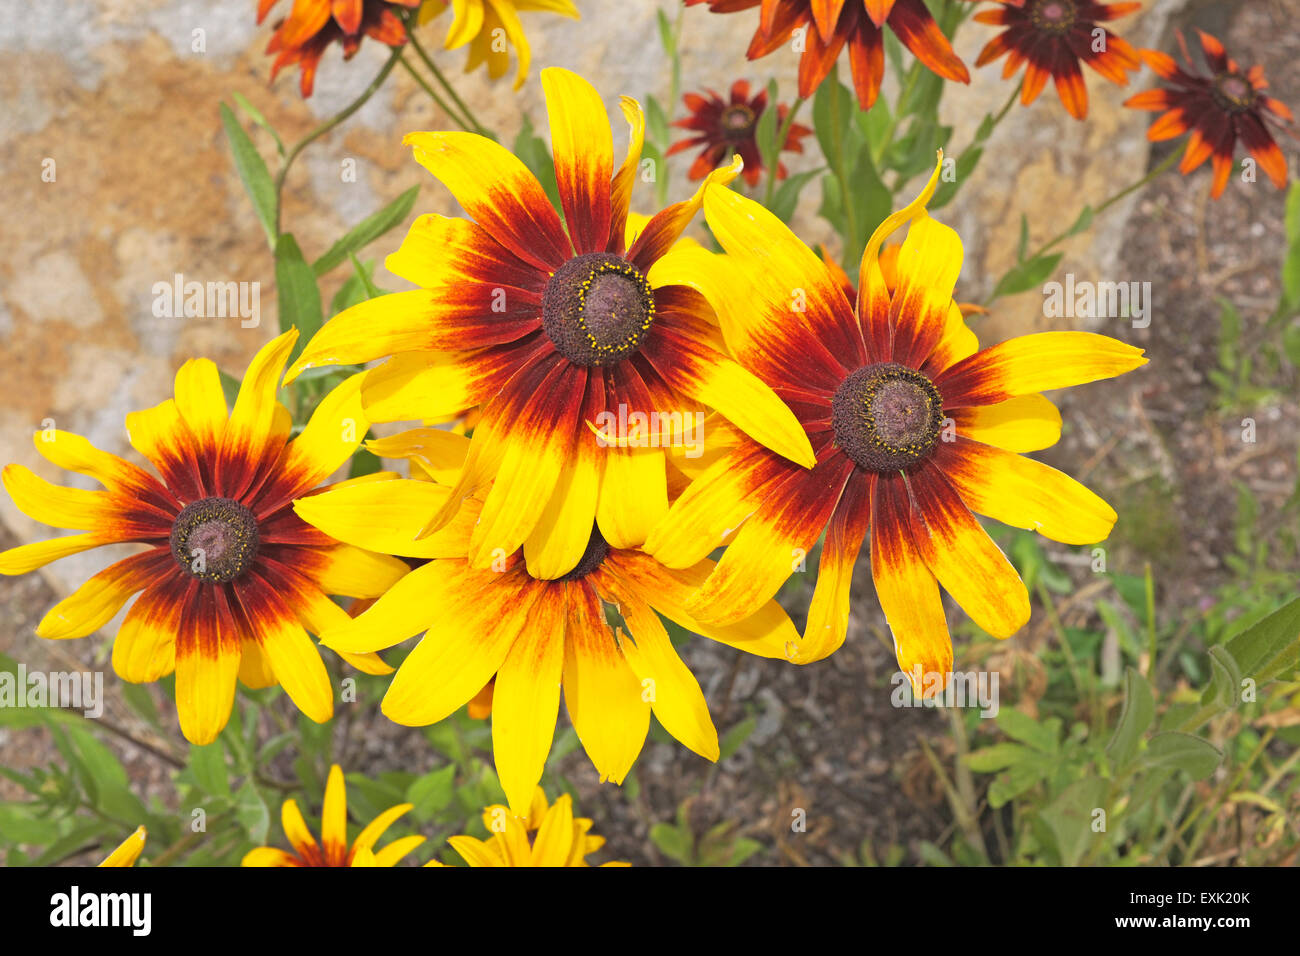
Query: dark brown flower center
[597,309]
[738,120]
[1053,16]
[1234,92]
[886,416]
[214,540]
[592,558]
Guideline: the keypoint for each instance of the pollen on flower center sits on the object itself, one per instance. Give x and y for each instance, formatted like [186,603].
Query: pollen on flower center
[1054,16]
[215,539]
[592,558]
[597,309]
[886,416]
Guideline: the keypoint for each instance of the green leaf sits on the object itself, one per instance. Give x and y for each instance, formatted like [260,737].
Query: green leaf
[1134,718]
[432,792]
[872,203]
[1271,646]
[536,155]
[742,850]
[252,170]
[1015,781]
[1197,756]
[364,462]
[737,735]
[787,194]
[252,813]
[256,116]
[1020,726]
[140,700]
[229,387]
[1070,818]
[765,132]
[1082,223]
[666,36]
[367,230]
[1022,248]
[656,122]
[672,842]
[209,766]
[833,120]
[1027,275]
[999,757]
[354,291]
[1225,680]
[296,290]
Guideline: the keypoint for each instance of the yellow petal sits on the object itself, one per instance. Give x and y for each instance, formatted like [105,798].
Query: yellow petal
[526,700]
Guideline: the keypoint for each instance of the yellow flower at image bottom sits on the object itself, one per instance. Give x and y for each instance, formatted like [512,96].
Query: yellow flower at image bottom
[333,848]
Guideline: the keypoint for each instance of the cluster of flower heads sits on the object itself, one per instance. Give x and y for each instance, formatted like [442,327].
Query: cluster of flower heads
[538,547]
[1050,39]
[551,544]
[489,28]
[548,834]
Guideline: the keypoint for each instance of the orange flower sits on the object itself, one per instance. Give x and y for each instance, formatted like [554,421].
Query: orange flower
[830,25]
[312,25]
[1220,109]
[1053,37]
[724,127]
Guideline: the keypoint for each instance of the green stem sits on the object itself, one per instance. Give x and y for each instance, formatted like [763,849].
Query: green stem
[782,132]
[472,124]
[433,94]
[1162,168]
[909,84]
[328,125]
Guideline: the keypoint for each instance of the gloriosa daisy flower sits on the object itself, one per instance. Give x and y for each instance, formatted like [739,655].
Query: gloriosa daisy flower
[725,127]
[1053,37]
[312,25]
[128,851]
[491,27]
[1220,109]
[830,25]
[550,328]
[560,839]
[230,574]
[334,849]
[913,428]
[533,636]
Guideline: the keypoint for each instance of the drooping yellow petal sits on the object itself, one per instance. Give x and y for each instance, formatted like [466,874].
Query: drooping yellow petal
[673,692]
[526,699]
[601,692]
